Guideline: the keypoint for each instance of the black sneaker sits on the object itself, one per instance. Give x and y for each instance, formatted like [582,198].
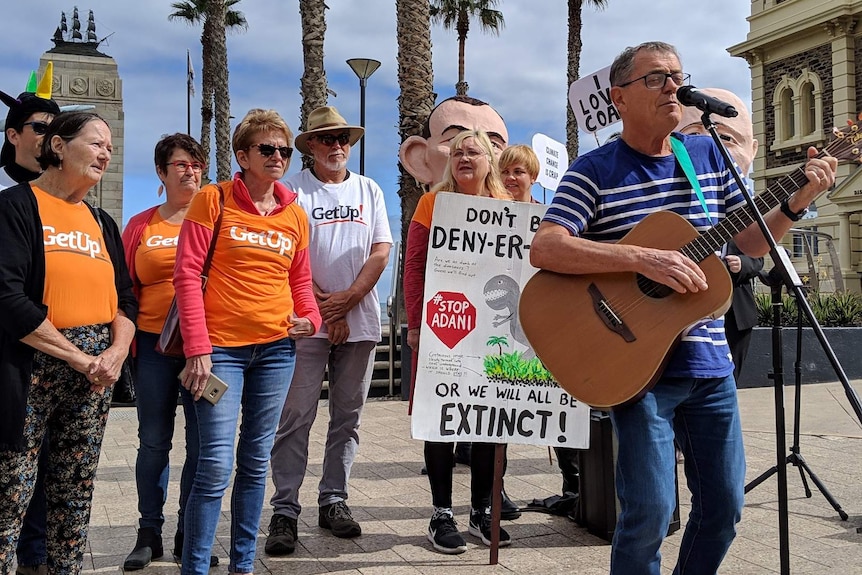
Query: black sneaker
[337,518]
[480,526]
[443,533]
[282,535]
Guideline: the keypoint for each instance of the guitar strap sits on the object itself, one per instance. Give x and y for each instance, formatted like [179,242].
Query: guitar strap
[685,163]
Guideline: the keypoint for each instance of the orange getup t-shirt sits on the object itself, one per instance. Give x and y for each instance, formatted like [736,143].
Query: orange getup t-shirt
[154,266]
[79,274]
[425,209]
[248,299]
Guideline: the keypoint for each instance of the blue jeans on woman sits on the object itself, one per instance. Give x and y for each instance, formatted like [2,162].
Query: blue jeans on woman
[703,416]
[156,385]
[258,377]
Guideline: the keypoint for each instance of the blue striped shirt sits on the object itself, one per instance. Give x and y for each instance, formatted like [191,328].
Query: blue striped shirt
[607,191]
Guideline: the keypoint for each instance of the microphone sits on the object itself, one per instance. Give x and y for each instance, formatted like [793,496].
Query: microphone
[691,96]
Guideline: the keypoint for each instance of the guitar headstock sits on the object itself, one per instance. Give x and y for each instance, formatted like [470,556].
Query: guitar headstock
[847,144]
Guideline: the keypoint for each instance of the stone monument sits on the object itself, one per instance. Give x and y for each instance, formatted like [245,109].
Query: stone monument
[84,75]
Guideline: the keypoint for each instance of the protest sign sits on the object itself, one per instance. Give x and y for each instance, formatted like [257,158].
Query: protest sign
[477,378]
[590,99]
[553,160]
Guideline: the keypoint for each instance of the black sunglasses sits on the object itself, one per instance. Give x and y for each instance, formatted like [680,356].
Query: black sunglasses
[266,150]
[40,128]
[329,139]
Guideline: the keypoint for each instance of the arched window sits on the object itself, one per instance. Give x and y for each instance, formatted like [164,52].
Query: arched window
[798,108]
[788,116]
[808,111]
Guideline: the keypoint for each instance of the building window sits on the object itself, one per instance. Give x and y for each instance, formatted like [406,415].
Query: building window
[798,108]
[789,114]
[799,241]
[809,117]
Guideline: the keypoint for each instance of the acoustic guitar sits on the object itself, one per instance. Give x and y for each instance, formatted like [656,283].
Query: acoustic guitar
[607,337]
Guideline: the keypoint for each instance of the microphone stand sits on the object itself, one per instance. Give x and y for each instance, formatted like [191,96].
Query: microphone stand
[791,280]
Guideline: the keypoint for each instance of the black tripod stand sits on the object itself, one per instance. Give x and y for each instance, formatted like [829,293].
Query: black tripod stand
[788,278]
[780,276]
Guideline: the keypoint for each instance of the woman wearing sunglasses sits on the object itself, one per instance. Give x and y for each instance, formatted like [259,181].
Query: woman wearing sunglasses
[150,241]
[258,299]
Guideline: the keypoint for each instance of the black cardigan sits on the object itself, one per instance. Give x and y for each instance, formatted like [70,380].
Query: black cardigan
[22,285]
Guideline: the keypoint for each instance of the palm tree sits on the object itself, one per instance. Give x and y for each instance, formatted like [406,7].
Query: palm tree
[456,14]
[499,341]
[575,45]
[194,12]
[313,86]
[416,80]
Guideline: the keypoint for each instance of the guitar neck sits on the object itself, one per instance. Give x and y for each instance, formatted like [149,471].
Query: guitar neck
[711,240]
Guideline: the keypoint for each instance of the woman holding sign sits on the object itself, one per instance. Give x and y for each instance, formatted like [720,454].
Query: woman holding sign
[472,170]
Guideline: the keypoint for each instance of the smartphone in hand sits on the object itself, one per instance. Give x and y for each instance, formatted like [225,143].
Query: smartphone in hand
[214,389]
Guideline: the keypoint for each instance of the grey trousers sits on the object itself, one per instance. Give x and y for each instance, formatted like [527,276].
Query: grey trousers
[350,367]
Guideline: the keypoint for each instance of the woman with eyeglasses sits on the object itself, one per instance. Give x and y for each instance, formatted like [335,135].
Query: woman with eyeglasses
[68,319]
[241,328]
[150,241]
[471,169]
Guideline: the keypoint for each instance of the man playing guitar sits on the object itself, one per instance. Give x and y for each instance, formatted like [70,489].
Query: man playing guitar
[604,195]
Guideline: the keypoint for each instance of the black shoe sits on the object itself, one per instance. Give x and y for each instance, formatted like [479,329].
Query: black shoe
[508,509]
[147,548]
[282,535]
[337,518]
[480,526]
[443,533]
[179,537]
[40,569]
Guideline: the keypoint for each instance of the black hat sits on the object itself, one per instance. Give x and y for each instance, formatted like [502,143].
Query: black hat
[24,106]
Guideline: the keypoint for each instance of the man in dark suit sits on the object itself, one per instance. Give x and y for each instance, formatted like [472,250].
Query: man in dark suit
[738,137]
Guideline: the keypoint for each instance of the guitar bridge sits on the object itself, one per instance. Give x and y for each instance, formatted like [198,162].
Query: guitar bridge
[608,316]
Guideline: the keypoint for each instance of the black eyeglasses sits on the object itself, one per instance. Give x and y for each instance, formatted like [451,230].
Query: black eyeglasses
[657,80]
[330,139]
[266,150]
[40,128]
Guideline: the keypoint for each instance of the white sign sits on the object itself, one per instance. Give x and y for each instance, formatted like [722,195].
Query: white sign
[553,160]
[477,378]
[590,99]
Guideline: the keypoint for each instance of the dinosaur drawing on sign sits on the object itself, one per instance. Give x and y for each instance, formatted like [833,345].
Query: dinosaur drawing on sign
[502,294]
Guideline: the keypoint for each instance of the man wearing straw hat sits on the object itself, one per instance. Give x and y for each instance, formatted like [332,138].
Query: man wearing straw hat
[349,248]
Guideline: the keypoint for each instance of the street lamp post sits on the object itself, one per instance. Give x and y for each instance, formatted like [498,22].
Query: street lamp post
[363,68]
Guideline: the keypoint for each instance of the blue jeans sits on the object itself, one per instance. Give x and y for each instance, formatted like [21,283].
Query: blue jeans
[703,416]
[156,385]
[258,377]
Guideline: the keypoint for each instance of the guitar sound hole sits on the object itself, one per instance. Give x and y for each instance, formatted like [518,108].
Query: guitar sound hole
[653,289]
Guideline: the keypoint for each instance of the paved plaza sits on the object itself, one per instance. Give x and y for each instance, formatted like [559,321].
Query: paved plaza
[391,499]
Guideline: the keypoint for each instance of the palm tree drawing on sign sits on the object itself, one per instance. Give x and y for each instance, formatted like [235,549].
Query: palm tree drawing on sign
[499,341]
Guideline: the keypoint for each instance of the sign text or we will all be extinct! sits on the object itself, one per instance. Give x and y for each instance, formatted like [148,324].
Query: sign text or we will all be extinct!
[477,378]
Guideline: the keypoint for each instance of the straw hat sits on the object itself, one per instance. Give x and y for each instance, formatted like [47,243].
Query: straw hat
[326,119]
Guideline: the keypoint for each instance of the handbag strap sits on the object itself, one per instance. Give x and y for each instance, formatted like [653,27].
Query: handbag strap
[205,271]
[685,163]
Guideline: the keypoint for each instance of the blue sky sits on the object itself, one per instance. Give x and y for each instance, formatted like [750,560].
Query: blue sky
[521,72]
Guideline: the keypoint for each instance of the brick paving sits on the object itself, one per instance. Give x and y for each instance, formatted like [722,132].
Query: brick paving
[391,499]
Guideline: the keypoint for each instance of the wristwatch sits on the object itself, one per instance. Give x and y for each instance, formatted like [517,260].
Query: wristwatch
[791,215]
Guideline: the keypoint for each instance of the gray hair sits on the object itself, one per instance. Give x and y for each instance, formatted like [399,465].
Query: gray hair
[624,64]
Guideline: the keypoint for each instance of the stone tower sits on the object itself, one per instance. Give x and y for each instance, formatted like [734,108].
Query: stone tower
[806,77]
[84,75]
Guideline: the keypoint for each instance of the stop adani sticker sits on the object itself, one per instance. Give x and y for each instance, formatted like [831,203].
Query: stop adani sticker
[451,317]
